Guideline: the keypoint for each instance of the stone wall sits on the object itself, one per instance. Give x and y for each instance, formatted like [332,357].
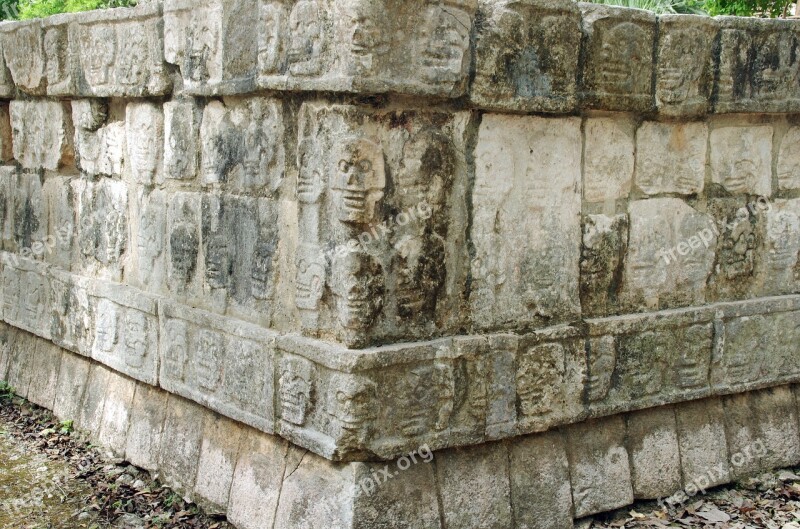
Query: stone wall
[367,227]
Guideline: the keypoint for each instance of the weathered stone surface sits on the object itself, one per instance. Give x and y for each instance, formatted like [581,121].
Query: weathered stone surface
[144,131]
[599,468]
[23,51]
[704,452]
[777,261]
[122,52]
[90,416]
[181,440]
[30,215]
[103,239]
[758,66]
[744,445]
[541,494]
[6,147]
[72,379]
[671,158]
[609,159]
[61,58]
[8,187]
[218,456]
[527,247]
[605,243]
[652,442]
[42,134]
[147,415]
[7,87]
[44,377]
[789,161]
[181,139]
[741,159]
[685,65]
[618,69]
[61,227]
[775,414]
[526,56]
[116,414]
[99,141]
[26,296]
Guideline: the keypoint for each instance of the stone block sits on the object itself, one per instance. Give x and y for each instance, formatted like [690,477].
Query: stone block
[23,51]
[44,374]
[619,65]
[701,437]
[741,235]
[541,494]
[27,296]
[408,497]
[526,56]
[6,344]
[7,87]
[220,363]
[608,159]
[116,414]
[671,254]
[527,247]
[71,316]
[671,157]
[652,442]
[744,444]
[8,189]
[605,244]
[181,139]
[501,412]
[90,412]
[741,159]
[147,415]
[122,52]
[73,378]
[6,147]
[42,134]
[180,444]
[257,480]
[61,227]
[218,455]
[789,161]
[103,225]
[759,61]
[150,229]
[599,468]
[183,231]
[144,131]
[30,215]
[775,415]
[22,361]
[99,140]
[685,64]
[776,264]
[61,58]
[475,487]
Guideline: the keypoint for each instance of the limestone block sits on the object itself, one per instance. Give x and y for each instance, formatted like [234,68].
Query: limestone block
[116,414]
[777,263]
[23,51]
[73,377]
[147,415]
[8,189]
[180,443]
[741,225]
[122,52]
[685,64]
[181,139]
[671,254]
[126,331]
[741,159]
[99,141]
[42,134]
[704,451]
[27,295]
[671,157]
[61,227]
[599,468]
[408,497]
[144,131]
[30,215]
[609,158]
[379,257]
[652,442]
[758,66]
[526,222]
[775,413]
[501,412]
[745,446]
[257,480]
[315,493]
[218,455]
[90,412]
[7,87]
[71,312]
[103,232]
[6,344]
[44,375]
[150,229]
[62,63]
[223,364]
[183,230]
[526,56]
[605,243]
[6,148]
[789,161]
[22,362]
[541,494]
[618,69]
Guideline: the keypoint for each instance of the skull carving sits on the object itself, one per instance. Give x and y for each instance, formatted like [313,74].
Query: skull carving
[359,180]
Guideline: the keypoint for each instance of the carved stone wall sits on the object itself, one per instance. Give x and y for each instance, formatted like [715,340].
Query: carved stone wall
[369,226]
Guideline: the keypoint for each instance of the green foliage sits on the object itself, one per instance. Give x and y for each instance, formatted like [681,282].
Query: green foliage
[6,391]
[750,8]
[43,8]
[659,6]
[8,9]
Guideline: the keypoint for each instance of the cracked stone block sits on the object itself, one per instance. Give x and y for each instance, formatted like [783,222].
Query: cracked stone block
[42,134]
[90,414]
[71,315]
[61,228]
[652,442]
[608,159]
[605,243]
[44,378]
[475,487]
[61,59]
[526,56]
[116,414]
[703,449]
[777,263]
[745,445]
[741,159]
[144,132]
[149,228]
[21,362]
[180,443]
[789,161]
[103,227]
[27,296]
[7,87]
[671,254]
[541,493]
[775,413]
[599,468]
[181,139]
[758,66]
[23,51]
[258,479]
[30,216]
[72,379]
[685,64]
[147,415]
[99,140]
[122,52]
[183,247]
[527,247]
[618,69]
[218,455]
[671,158]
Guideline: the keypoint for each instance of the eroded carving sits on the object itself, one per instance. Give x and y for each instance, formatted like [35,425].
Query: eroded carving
[359,180]
[296,388]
